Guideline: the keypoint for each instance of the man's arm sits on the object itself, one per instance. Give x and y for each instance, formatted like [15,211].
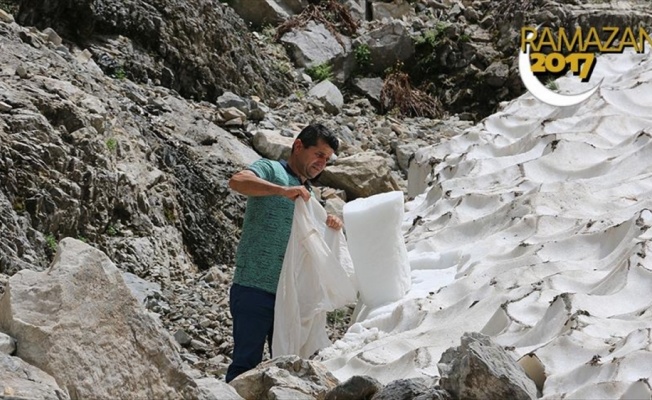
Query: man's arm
[247,183]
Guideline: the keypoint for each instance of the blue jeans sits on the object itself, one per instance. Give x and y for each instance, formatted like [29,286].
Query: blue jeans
[253,323]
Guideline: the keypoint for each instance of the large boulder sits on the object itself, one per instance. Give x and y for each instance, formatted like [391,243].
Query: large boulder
[360,175]
[79,322]
[481,369]
[271,144]
[388,44]
[287,377]
[314,44]
[329,95]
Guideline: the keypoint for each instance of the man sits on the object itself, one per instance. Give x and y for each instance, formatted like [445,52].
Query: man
[271,187]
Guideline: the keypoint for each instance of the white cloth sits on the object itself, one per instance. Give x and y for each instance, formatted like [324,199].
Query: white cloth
[317,277]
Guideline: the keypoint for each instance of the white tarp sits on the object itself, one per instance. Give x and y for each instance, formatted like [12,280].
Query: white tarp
[317,277]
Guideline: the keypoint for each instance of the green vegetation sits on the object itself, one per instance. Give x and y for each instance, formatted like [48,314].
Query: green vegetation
[51,241]
[111,231]
[112,144]
[465,38]
[119,73]
[339,317]
[9,6]
[432,37]
[363,57]
[320,72]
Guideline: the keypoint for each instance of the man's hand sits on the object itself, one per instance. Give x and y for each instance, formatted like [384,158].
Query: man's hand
[334,222]
[293,192]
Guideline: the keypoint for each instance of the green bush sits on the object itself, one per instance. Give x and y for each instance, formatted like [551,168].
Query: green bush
[111,144]
[363,57]
[320,72]
[51,241]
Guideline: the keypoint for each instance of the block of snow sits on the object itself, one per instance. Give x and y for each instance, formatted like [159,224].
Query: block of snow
[377,247]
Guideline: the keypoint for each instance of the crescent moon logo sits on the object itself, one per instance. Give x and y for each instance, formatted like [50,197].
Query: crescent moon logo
[541,92]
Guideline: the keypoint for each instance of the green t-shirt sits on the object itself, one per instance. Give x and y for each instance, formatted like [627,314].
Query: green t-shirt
[265,231]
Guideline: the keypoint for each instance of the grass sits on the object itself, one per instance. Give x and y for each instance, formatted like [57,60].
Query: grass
[320,72]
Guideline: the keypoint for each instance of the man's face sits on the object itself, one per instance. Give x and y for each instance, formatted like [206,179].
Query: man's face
[311,161]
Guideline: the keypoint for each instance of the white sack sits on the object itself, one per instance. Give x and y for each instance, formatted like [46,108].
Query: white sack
[317,277]
[380,260]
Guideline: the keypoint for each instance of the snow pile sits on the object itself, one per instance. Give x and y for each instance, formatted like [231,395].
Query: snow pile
[534,230]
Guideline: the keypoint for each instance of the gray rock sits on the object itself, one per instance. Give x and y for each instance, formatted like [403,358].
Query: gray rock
[496,74]
[214,389]
[7,344]
[394,10]
[266,12]
[370,88]
[20,380]
[78,321]
[355,388]
[52,36]
[182,337]
[480,369]
[402,389]
[314,45]
[229,99]
[360,175]
[140,288]
[289,372]
[6,17]
[387,45]
[329,95]
[272,145]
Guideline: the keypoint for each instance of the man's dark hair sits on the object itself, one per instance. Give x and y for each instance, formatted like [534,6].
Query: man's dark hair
[313,132]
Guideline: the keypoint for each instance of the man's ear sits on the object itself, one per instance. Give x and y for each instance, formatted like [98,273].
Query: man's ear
[298,144]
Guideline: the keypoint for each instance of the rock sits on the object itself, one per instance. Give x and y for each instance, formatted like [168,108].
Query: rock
[397,9]
[313,45]
[496,74]
[259,13]
[329,95]
[370,88]
[7,344]
[182,337]
[270,144]
[287,372]
[52,36]
[229,99]
[480,369]
[387,44]
[78,322]
[402,389]
[4,107]
[6,17]
[360,175]
[20,380]
[214,389]
[355,388]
